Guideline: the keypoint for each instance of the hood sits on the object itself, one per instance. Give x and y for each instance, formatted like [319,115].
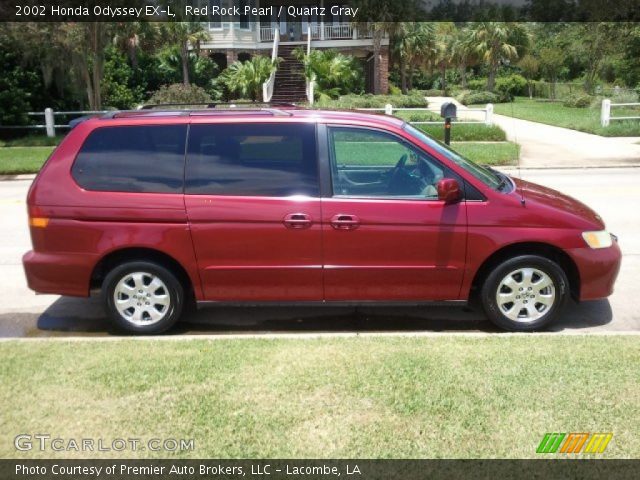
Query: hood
[557,204]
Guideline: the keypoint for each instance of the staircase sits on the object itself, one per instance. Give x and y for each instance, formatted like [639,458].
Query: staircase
[290,83]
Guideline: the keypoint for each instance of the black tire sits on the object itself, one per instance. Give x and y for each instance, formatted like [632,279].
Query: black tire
[168,315]
[491,284]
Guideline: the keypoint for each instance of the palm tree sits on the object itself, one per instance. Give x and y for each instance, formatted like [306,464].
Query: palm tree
[463,53]
[415,45]
[334,73]
[496,42]
[184,34]
[246,78]
[443,54]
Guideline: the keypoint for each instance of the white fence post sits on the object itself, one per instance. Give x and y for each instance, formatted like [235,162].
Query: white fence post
[388,109]
[49,122]
[488,114]
[605,113]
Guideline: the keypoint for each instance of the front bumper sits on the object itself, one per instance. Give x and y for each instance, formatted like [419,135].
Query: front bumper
[598,270]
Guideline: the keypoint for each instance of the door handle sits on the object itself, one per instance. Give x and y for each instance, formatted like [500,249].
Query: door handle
[297,221]
[345,222]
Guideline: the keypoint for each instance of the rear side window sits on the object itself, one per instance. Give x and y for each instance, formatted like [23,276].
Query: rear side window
[133,159]
[252,160]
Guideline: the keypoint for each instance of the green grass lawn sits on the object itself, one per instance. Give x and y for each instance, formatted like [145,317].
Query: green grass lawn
[498,153]
[17,160]
[428,397]
[583,119]
[460,132]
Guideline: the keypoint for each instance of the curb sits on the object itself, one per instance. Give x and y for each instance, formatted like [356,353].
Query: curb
[29,176]
[567,167]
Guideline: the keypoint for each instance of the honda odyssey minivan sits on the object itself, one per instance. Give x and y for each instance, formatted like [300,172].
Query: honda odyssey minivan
[161,210]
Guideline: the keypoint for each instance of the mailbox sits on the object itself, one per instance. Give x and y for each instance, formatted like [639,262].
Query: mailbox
[448,110]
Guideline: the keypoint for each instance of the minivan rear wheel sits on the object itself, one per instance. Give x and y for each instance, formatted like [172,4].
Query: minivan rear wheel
[524,293]
[143,297]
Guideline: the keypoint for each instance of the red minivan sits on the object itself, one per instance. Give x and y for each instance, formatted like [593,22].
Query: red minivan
[163,209]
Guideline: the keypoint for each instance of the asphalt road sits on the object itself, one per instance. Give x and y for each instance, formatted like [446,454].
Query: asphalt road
[614,193]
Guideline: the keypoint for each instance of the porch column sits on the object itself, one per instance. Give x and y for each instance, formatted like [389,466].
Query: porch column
[322,21]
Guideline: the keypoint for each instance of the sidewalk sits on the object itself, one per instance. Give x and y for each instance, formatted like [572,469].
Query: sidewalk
[545,146]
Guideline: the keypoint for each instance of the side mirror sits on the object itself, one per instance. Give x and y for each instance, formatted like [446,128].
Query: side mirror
[449,190]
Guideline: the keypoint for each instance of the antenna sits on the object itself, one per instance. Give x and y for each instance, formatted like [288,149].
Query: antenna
[515,139]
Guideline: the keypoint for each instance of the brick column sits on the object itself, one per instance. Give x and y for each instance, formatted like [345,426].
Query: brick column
[383,71]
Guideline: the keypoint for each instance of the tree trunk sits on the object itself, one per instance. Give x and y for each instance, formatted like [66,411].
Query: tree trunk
[377,47]
[133,53]
[410,78]
[530,85]
[443,73]
[184,56]
[463,74]
[403,75]
[491,80]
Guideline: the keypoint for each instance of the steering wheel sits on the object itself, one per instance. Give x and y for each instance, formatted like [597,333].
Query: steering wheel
[399,166]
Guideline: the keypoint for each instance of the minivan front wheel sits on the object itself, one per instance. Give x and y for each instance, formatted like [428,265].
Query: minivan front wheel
[524,293]
[143,297]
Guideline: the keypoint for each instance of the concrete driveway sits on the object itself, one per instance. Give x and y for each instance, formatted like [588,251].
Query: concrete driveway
[544,146]
[614,193]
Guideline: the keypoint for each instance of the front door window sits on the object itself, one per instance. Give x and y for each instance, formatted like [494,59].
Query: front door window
[370,163]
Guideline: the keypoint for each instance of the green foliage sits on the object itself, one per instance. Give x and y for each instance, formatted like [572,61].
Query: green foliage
[393,90]
[508,87]
[477,84]
[412,99]
[246,78]
[334,73]
[477,97]
[119,89]
[180,93]
[16,88]
[32,140]
[578,101]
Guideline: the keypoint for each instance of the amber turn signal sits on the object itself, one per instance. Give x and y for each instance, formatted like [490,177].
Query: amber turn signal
[38,222]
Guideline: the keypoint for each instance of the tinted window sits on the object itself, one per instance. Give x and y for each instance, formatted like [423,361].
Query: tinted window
[132,159]
[369,163]
[258,160]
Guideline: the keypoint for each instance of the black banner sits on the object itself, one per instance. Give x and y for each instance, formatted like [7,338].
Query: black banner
[291,10]
[561,468]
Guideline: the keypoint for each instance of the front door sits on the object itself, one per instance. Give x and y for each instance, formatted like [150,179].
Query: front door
[252,197]
[386,235]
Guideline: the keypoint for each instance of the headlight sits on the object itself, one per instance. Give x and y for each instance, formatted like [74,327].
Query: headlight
[601,239]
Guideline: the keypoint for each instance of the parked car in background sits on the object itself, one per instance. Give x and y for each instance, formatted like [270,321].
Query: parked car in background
[163,209]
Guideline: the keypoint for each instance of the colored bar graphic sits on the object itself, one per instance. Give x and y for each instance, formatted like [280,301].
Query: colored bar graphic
[598,442]
[573,442]
[550,443]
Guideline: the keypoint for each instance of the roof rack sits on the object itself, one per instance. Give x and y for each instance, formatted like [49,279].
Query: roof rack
[151,106]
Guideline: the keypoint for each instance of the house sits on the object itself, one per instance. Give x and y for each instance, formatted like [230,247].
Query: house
[262,31]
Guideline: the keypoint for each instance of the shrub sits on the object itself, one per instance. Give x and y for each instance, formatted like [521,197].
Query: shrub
[477,84]
[578,101]
[334,73]
[412,99]
[508,87]
[476,98]
[179,93]
[393,90]
[246,78]
[434,92]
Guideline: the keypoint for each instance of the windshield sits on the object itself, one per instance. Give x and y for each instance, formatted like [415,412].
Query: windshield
[485,175]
